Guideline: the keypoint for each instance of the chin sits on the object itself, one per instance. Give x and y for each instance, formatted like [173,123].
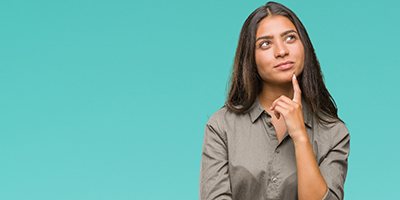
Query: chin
[288,75]
[281,77]
[286,78]
[280,81]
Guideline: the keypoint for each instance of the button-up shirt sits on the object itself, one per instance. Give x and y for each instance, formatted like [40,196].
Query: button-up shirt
[243,160]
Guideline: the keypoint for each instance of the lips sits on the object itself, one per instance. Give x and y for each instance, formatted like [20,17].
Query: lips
[284,65]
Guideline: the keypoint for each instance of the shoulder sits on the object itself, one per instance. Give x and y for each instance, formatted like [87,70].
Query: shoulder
[218,118]
[334,132]
[224,119]
[334,126]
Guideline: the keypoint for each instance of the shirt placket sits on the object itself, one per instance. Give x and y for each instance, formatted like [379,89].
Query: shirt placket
[273,171]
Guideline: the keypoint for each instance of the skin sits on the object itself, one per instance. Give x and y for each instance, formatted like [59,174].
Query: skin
[281,96]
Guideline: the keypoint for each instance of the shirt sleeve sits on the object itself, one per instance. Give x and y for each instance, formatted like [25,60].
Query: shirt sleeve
[334,166]
[214,177]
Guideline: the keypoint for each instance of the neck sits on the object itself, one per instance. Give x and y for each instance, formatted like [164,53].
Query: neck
[270,93]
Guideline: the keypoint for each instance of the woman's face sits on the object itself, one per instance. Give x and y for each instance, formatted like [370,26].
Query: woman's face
[277,43]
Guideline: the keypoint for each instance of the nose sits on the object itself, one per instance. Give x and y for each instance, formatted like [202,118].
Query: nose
[281,50]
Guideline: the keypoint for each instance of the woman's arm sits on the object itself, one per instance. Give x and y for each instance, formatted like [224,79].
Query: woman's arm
[311,185]
[334,165]
[214,177]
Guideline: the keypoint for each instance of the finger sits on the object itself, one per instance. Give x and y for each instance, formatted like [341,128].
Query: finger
[279,110]
[297,91]
[281,98]
[282,103]
[274,112]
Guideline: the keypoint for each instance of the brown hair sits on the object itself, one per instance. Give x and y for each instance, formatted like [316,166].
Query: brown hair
[246,83]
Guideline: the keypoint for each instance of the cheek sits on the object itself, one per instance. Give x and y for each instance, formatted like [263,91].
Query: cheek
[263,60]
[258,58]
[298,50]
[298,53]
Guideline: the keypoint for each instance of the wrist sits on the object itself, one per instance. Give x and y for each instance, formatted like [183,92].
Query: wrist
[299,135]
[301,139]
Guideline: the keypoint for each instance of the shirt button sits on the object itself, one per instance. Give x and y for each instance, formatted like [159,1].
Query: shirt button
[277,151]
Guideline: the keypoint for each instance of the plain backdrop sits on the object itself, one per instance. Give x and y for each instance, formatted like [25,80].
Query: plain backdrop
[108,99]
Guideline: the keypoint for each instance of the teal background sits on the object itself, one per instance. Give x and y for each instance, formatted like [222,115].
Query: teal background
[109,99]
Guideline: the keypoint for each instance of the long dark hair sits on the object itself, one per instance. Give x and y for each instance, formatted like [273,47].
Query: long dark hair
[246,84]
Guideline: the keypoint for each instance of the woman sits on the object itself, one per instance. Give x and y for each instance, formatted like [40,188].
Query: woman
[278,136]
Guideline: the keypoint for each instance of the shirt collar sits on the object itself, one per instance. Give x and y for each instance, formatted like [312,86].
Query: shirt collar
[256,110]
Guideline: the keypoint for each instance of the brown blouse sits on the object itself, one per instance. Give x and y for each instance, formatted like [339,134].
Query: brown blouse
[242,160]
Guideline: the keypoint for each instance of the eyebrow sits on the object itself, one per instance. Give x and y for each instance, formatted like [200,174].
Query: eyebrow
[282,34]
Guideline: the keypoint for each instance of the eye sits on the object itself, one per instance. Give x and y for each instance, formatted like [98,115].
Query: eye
[291,38]
[264,44]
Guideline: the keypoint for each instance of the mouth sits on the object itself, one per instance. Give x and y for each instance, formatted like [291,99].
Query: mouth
[284,65]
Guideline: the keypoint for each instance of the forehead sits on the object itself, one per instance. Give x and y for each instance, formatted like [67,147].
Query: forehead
[274,25]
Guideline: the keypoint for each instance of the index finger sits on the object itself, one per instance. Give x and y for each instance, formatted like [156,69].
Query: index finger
[297,91]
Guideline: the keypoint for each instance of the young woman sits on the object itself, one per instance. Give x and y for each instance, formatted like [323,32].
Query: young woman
[278,136]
